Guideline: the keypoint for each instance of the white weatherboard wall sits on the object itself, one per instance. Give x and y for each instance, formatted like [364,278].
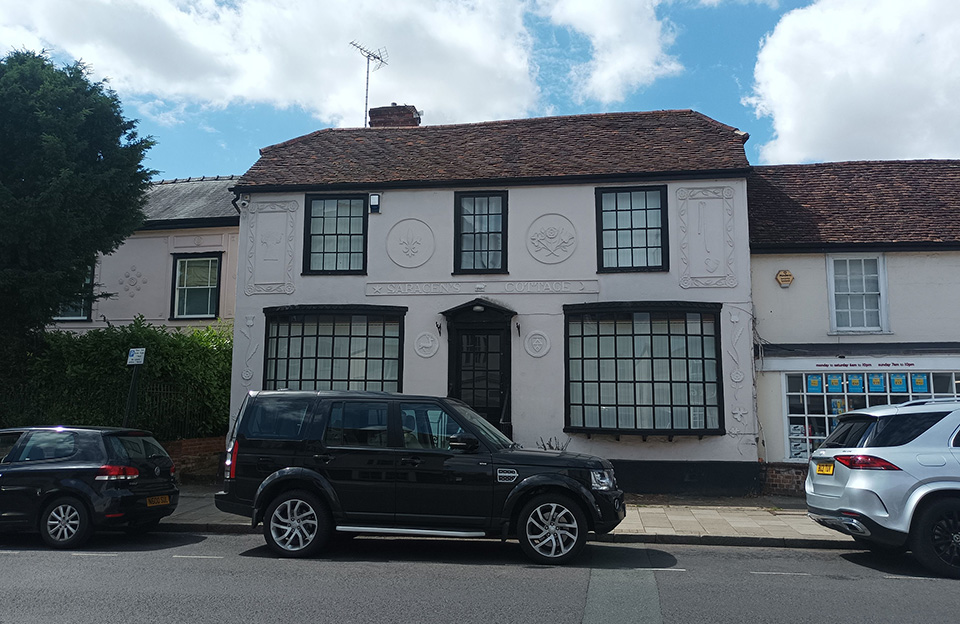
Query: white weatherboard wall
[923,298]
[707,228]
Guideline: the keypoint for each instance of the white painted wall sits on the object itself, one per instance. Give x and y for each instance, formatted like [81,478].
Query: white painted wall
[140,275]
[923,300]
[271,233]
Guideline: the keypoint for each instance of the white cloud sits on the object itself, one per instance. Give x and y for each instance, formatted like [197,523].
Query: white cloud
[859,79]
[629,45]
[459,60]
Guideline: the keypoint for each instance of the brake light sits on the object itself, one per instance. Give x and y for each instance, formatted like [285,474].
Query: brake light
[230,464]
[865,462]
[116,473]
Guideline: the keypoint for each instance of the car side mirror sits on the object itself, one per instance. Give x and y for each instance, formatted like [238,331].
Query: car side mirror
[464,442]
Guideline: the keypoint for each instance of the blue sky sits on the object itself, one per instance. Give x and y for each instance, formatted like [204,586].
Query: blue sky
[810,80]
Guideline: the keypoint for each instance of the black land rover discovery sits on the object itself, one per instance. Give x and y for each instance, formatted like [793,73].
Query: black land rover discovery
[306,464]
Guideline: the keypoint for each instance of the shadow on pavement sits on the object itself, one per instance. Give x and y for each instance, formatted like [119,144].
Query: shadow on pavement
[894,564]
[476,553]
[113,541]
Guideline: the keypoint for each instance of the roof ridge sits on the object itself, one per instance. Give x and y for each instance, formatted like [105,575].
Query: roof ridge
[198,179]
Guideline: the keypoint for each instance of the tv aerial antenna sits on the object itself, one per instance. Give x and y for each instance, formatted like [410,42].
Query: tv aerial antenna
[380,56]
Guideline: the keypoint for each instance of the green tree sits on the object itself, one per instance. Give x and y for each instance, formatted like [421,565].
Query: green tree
[72,186]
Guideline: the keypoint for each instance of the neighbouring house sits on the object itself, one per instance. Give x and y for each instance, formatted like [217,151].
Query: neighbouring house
[855,294]
[179,269]
[579,280]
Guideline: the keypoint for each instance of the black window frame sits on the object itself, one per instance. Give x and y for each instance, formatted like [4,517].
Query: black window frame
[458,233]
[218,255]
[335,314]
[84,302]
[664,265]
[611,310]
[308,235]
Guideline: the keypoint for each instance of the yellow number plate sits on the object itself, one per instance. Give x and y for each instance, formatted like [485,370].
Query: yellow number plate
[153,501]
[825,469]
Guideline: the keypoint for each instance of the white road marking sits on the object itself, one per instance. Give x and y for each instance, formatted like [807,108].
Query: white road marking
[662,569]
[196,557]
[9,552]
[909,578]
[95,554]
[782,573]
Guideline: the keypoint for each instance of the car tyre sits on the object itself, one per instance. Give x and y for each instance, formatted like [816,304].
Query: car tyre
[552,529]
[935,537]
[65,523]
[297,524]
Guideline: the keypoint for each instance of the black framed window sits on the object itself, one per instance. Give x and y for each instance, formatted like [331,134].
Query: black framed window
[80,308]
[644,368]
[196,286]
[480,232]
[334,348]
[632,229]
[336,234]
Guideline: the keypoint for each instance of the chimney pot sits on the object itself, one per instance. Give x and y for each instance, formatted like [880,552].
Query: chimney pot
[394,116]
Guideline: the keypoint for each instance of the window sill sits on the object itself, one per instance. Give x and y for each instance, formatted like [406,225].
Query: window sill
[645,432]
[860,332]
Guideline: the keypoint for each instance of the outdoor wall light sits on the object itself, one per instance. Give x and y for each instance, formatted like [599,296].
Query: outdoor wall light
[478,308]
[374,203]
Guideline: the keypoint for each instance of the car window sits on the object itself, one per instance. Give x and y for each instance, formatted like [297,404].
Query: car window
[902,428]
[135,447]
[276,418]
[427,426]
[849,433]
[357,423]
[7,442]
[42,445]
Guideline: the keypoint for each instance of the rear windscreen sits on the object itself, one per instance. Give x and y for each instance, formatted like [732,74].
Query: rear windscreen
[868,431]
[276,417]
[134,447]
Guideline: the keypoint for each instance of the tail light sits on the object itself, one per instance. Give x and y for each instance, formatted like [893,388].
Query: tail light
[230,463]
[864,462]
[116,473]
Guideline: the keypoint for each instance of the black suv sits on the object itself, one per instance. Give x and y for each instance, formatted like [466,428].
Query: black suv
[308,463]
[67,481]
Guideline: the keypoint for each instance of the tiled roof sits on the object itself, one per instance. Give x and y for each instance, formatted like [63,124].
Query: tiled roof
[171,201]
[533,150]
[894,202]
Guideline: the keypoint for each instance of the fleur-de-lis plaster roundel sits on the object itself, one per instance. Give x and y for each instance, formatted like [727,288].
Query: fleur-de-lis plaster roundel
[410,243]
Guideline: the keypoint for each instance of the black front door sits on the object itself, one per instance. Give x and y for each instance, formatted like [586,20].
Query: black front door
[480,360]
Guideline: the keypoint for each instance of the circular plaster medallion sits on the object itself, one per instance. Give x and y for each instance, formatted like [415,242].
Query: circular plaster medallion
[551,238]
[536,344]
[410,243]
[426,345]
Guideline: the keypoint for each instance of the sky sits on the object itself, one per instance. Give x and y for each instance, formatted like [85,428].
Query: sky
[213,81]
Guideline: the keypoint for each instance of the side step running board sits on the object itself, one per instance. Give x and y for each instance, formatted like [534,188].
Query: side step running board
[419,532]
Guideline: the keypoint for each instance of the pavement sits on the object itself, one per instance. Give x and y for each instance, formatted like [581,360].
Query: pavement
[769,521]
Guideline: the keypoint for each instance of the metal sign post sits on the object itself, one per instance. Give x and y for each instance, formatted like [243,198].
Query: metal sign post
[135,359]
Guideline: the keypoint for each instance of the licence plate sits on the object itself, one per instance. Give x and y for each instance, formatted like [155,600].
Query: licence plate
[153,501]
[825,469]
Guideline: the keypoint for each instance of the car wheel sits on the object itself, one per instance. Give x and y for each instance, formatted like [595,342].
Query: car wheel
[65,523]
[297,524]
[552,529]
[935,538]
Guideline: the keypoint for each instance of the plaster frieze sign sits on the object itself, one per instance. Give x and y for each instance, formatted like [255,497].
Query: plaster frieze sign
[551,238]
[410,243]
[269,253]
[707,248]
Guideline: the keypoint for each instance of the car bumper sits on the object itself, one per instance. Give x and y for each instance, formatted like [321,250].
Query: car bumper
[120,507]
[225,503]
[857,525]
[612,510]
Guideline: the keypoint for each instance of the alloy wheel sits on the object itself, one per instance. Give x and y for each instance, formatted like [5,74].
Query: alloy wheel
[63,522]
[552,530]
[293,525]
[946,538]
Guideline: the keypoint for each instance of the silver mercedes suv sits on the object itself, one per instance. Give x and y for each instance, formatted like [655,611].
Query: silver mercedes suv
[890,477]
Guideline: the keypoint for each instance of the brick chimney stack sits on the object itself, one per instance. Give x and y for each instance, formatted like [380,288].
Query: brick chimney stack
[394,115]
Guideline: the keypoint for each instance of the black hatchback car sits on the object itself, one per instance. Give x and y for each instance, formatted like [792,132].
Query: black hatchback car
[307,464]
[67,481]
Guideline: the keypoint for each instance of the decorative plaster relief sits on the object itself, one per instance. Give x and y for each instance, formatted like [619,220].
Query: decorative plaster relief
[536,344]
[207,240]
[410,243]
[526,287]
[551,238]
[426,345]
[132,281]
[250,349]
[706,237]
[269,254]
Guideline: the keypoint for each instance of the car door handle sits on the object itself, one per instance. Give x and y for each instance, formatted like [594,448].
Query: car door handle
[410,461]
[323,457]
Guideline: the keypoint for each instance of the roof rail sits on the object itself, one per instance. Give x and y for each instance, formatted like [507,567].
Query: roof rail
[929,401]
